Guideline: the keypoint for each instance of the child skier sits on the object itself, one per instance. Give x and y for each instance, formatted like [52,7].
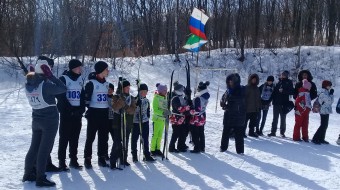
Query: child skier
[71,106]
[144,105]
[124,107]
[96,99]
[303,106]
[180,109]
[160,112]
[197,121]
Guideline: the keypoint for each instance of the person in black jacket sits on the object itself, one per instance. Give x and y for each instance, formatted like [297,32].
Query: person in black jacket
[283,89]
[41,90]
[96,99]
[305,74]
[71,106]
[233,104]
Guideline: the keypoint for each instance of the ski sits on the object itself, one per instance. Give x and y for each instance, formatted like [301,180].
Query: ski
[188,92]
[141,140]
[122,125]
[165,147]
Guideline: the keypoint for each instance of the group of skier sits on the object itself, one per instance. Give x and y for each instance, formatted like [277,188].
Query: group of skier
[109,111]
[118,113]
[251,103]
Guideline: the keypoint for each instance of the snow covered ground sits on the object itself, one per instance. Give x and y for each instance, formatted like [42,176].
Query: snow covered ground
[268,163]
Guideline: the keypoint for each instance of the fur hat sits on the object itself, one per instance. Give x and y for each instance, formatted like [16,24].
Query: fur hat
[326,83]
[270,78]
[162,88]
[100,66]
[74,63]
[37,68]
[203,86]
[306,84]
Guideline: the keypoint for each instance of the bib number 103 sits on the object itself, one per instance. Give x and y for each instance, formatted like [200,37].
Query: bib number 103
[73,94]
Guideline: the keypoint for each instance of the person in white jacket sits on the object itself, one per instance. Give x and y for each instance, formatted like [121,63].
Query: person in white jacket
[326,99]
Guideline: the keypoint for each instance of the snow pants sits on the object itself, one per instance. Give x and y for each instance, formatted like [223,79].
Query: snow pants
[301,122]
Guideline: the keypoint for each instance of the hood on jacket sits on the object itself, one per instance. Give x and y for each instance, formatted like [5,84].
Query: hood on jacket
[33,81]
[251,78]
[235,77]
[309,78]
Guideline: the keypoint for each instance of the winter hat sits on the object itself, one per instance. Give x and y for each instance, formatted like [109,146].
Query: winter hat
[285,73]
[74,63]
[125,83]
[37,68]
[111,86]
[270,78]
[161,88]
[326,83]
[306,84]
[203,86]
[100,66]
[178,87]
[143,87]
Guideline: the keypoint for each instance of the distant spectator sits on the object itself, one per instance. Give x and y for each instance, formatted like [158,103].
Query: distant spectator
[266,90]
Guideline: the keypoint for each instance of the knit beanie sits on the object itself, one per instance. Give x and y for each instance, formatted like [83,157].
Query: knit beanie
[203,86]
[163,89]
[270,78]
[306,84]
[100,66]
[143,87]
[74,63]
[326,83]
[178,87]
[285,73]
[125,83]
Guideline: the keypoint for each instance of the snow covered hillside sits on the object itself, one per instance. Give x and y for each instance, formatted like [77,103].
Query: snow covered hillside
[268,163]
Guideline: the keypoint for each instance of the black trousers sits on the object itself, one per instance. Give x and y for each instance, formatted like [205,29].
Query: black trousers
[277,111]
[117,146]
[239,141]
[69,131]
[145,135]
[176,132]
[184,132]
[97,121]
[263,119]
[252,117]
[321,132]
[198,137]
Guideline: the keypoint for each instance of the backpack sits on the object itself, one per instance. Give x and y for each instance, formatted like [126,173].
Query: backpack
[338,107]
[316,106]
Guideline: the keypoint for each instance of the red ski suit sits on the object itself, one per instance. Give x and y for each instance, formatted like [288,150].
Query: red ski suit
[302,108]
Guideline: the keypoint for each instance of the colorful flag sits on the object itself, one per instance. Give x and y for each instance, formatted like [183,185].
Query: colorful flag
[197,23]
[194,43]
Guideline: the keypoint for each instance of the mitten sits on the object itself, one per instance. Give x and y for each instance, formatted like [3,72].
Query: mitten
[331,91]
[47,71]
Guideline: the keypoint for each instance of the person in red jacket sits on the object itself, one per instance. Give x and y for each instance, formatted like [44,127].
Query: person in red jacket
[303,105]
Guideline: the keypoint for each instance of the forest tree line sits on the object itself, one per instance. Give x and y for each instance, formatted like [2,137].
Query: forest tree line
[111,28]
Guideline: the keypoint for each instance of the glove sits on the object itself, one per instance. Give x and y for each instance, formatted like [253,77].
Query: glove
[166,113]
[47,71]
[331,91]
